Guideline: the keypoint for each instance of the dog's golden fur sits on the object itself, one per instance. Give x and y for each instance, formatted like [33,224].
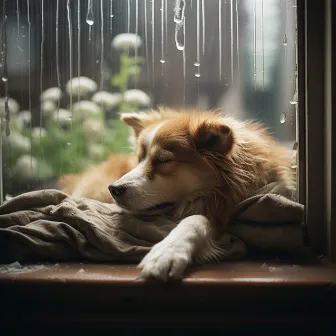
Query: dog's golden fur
[93,182]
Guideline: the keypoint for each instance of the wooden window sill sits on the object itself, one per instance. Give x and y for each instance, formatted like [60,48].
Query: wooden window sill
[231,293]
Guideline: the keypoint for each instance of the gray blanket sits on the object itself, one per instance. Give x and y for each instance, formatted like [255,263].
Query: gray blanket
[49,225]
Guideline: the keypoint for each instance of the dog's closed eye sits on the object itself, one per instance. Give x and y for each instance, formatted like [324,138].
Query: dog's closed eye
[161,160]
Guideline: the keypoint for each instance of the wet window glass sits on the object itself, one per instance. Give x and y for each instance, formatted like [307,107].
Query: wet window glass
[69,67]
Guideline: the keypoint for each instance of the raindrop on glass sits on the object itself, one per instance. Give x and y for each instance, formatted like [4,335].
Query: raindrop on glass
[180,47]
[285,40]
[197,75]
[283,117]
[162,61]
[197,64]
[89,14]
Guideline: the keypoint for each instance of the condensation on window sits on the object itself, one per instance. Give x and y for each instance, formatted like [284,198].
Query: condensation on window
[69,67]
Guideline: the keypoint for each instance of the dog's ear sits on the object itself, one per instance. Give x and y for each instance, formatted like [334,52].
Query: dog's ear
[139,121]
[213,136]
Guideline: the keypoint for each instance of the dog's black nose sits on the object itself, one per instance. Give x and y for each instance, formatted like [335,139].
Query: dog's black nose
[117,190]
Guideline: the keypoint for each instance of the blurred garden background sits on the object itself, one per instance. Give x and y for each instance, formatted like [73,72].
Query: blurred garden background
[69,67]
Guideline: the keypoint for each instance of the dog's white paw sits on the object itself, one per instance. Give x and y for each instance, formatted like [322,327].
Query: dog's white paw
[165,261]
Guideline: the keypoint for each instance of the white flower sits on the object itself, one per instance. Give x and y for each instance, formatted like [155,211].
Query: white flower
[38,132]
[19,142]
[26,166]
[107,100]
[23,119]
[96,151]
[54,94]
[92,129]
[81,86]
[85,108]
[125,41]
[48,107]
[137,97]
[13,106]
[62,116]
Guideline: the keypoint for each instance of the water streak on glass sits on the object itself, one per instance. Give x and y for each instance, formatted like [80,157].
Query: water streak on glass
[220,38]
[58,77]
[29,81]
[179,20]
[179,11]
[254,45]
[4,65]
[146,39]
[295,98]
[41,64]
[231,36]
[128,16]
[111,15]
[237,38]
[18,25]
[78,46]
[197,63]
[153,40]
[184,58]
[136,31]
[262,44]
[90,17]
[162,35]
[70,52]
[285,39]
[198,32]
[203,27]
[5,70]
[166,24]
[101,44]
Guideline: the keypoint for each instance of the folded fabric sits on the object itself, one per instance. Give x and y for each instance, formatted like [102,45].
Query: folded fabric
[49,225]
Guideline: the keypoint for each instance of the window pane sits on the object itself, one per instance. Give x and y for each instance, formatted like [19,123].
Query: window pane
[67,72]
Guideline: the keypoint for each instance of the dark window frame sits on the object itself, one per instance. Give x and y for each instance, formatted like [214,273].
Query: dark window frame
[317,154]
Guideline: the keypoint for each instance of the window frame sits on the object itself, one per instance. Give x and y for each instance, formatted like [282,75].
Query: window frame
[317,154]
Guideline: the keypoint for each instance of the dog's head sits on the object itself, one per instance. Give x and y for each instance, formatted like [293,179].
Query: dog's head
[177,153]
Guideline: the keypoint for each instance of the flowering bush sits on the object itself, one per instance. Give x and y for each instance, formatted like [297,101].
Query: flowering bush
[73,137]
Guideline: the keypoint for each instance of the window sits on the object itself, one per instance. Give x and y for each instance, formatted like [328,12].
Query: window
[238,55]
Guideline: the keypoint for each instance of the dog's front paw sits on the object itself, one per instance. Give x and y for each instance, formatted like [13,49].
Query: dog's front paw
[165,261]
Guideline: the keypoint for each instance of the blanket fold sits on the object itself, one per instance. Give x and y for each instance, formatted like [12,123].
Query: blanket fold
[49,225]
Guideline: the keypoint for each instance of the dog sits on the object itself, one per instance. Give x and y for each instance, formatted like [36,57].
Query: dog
[190,165]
